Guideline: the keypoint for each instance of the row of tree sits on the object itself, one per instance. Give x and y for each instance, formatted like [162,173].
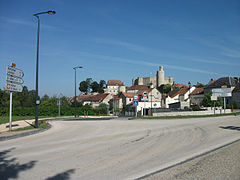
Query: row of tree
[24,105]
[89,85]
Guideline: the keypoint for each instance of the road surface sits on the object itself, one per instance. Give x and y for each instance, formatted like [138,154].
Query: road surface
[112,149]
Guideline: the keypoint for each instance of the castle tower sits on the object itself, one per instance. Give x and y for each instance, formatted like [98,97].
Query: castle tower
[160,76]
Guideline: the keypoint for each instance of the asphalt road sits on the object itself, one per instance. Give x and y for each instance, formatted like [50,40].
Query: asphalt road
[113,149]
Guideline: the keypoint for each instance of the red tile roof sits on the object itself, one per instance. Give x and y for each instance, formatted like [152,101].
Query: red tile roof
[115,83]
[129,95]
[179,86]
[178,92]
[198,91]
[98,97]
[138,87]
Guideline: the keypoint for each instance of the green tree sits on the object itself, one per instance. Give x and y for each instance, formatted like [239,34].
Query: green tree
[94,86]
[45,98]
[164,88]
[102,109]
[85,86]
[102,86]
[207,102]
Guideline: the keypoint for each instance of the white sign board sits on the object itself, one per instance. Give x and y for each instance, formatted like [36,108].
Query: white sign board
[222,92]
[14,87]
[144,99]
[11,71]
[14,79]
[213,98]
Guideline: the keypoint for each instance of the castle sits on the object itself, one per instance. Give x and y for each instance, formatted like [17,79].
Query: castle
[154,81]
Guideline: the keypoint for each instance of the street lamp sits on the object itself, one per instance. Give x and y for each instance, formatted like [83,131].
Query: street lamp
[38,28]
[75,101]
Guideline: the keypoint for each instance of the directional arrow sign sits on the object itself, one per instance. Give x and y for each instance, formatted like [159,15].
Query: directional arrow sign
[14,72]
[14,87]
[13,79]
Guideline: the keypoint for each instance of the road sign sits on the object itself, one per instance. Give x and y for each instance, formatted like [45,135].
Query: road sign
[222,92]
[144,99]
[14,87]
[144,93]
[135,103]
[14,72]
[13,79]
[135,97]
[213,98]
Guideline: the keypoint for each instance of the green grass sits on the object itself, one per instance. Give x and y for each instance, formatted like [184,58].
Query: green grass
[5,119]
[42,125]
[189,116]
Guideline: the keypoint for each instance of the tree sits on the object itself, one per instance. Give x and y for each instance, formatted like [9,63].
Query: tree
[45,98]
[164,88]
[85,86]
[94,86]
[207,102]
[102,86]
[102,109]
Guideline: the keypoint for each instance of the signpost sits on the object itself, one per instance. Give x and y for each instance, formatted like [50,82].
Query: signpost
[222,92]
[135,103]
[145,98]
[13,84]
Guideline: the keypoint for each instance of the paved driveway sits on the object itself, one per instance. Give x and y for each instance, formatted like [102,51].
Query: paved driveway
[113,149]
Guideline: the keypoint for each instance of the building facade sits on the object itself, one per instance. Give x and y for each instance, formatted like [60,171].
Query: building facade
[114,87]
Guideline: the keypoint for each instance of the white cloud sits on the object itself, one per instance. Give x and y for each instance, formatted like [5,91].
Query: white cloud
[145,63]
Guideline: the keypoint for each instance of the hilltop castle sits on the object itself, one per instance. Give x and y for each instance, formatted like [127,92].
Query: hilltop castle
[155,81]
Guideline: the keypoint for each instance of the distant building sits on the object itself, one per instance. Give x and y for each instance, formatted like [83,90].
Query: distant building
[155,81]
[196,97]
[114,87]
[96,100]
[226,82]
[236,95]
[178,98]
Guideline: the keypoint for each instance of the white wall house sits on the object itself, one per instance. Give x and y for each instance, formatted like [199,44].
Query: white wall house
[114,87]
[177,96]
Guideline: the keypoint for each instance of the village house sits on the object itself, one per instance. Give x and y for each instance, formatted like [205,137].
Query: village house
[224,82]
[178,98]
[197,96]
[114,87]
[96,100]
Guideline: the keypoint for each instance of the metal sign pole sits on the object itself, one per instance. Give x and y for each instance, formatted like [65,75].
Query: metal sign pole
[224,99]
[10,112]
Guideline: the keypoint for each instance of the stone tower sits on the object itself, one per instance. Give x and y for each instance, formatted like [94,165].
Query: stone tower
[160,76]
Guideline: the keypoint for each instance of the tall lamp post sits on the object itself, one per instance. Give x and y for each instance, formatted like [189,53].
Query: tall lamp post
[38,29]
[75,101]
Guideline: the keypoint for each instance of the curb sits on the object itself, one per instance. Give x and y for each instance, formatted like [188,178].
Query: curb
[187,160]
[5,138]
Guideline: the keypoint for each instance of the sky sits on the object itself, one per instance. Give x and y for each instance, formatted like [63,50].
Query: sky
[119,39]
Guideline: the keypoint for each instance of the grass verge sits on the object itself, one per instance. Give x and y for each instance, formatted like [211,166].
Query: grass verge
[43,124]
[5,119]
[188,116]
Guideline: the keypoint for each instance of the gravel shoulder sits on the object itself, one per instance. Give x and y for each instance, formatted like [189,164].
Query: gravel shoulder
[222,164]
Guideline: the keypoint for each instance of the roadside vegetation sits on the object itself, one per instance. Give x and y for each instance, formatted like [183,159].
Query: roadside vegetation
[24,106]
[42,125]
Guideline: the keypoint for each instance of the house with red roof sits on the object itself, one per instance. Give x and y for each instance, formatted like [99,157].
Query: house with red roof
[196,97]
[96,100]
[114,87]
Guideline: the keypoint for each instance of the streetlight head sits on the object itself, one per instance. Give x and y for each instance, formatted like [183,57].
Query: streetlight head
[77,67]
[51,12]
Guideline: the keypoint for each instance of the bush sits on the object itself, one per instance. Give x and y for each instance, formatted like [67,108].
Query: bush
[196,108]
